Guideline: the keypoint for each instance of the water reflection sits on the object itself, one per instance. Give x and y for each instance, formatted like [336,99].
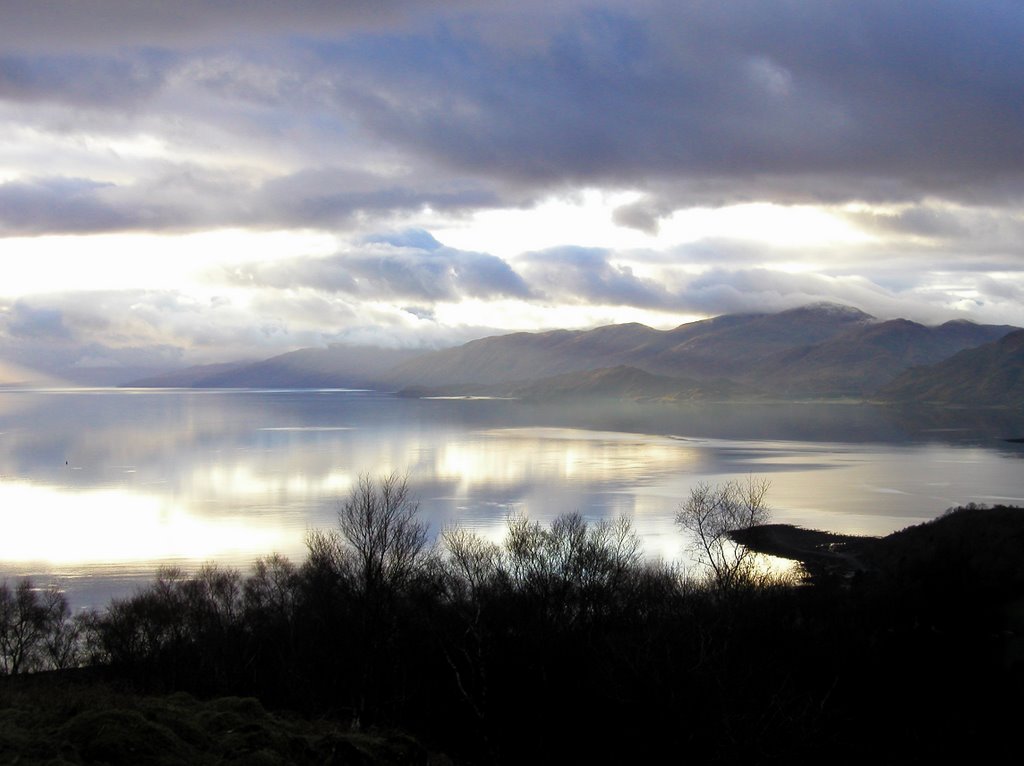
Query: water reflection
[93,484]
[47,524]
[511,456]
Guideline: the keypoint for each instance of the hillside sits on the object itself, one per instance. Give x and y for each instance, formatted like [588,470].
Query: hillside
[820,351]
[990,375]
[724,346]
[817,351]
[867,357]
[331,367]
[732,346]
[622,382]
[190,377]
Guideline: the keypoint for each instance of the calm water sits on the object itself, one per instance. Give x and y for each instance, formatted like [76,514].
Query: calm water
[97,487]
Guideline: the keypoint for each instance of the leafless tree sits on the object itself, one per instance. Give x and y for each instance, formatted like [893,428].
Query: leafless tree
[36,630]
[711,513]
[472,561]
[272,587]
[377,550]
[378,522]
[63,636]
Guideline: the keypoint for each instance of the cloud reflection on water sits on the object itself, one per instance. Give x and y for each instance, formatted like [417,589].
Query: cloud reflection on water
[91,482]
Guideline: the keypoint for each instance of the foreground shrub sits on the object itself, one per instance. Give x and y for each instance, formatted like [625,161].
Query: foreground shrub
[37,631]
[561,643]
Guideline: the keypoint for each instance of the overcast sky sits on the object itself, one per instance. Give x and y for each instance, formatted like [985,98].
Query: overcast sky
[206,180]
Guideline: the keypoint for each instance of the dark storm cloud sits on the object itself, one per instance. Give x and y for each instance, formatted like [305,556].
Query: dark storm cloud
[915,221]
[329,197]
[357,116]
[45,205]
[187,197]
[97,81]
[410,266]
[709,102]
[176,198]
[100,24]
[844,99]
[586,275]
[980,237]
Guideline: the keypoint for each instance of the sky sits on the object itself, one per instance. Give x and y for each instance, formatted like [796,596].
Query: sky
[203,181]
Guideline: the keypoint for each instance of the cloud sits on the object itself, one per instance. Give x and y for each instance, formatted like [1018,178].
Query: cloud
[972,233]
[61,332]
[644,214]
[30,323]
[436,104]
[133,329]
[330,197]
[846,99]
[410,265]
[587,275]
[764,290]
[394,116]
[92,81]
[89,25]
[188,198]
[180,199]
[44,205]
[419,239]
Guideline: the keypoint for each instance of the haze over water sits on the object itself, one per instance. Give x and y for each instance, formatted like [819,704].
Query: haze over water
[99,487]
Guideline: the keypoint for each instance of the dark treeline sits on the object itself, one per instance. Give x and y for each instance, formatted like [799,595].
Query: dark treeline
[564,645]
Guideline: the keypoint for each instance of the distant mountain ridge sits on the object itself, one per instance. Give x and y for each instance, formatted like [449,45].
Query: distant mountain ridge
[816,351]
[331,367]
[863,359]
[992,374]
[723,346]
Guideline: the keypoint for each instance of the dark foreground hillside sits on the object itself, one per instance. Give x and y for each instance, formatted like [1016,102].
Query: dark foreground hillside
[75,718]
[559,646]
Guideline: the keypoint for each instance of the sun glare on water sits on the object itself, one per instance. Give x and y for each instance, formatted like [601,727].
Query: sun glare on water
[64,527]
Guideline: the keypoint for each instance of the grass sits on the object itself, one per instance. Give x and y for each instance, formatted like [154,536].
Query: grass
[79,718]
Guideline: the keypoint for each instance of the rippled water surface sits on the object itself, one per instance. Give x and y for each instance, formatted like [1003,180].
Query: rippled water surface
[98,487]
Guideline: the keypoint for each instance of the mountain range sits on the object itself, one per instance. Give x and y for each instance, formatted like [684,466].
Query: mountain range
[816,351]
[992,374]
[331,367]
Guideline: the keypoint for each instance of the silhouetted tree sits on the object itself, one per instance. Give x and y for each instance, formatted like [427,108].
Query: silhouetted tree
[271,598]
[63,636]
[36,630]
[710,514]
[472,563]
[370,561]
[379,524]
